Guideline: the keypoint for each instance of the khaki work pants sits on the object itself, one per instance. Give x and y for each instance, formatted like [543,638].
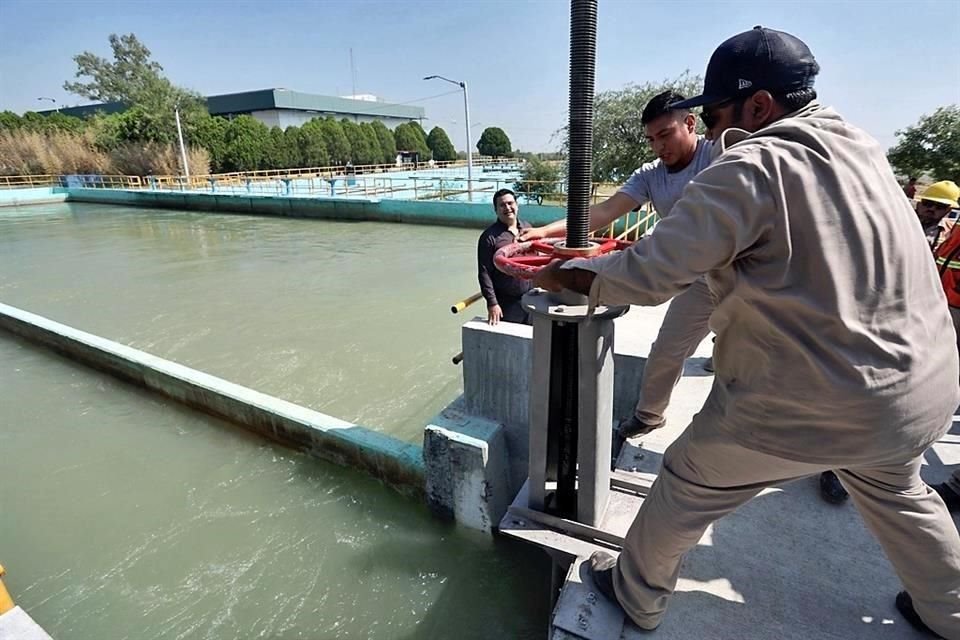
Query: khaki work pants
[684,327]
[706,475]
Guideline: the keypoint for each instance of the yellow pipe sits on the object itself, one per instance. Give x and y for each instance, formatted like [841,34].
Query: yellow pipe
[6,602]
[466,302]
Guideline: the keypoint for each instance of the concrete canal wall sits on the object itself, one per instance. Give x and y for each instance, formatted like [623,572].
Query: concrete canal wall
[397,463]
[430,212]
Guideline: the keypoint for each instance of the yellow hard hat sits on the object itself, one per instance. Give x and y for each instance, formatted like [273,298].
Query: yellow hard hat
[944,192]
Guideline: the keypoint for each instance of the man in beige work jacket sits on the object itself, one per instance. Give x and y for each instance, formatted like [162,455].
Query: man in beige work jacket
[830,333]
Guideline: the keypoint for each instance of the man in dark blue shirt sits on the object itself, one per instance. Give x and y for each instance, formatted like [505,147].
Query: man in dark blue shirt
[502,292]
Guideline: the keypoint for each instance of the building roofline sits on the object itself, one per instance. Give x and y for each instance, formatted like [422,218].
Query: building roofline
[278,98]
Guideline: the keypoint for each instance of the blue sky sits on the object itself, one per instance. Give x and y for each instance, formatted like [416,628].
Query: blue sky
[884,63]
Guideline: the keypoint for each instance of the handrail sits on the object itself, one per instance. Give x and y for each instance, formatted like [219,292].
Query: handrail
[317,180]
[86,180]
[646,219]
[348,170]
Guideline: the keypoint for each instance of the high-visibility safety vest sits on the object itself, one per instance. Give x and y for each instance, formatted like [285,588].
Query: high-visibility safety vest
[948,264]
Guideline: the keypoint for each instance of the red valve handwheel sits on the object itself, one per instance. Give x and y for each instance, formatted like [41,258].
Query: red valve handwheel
[525,259]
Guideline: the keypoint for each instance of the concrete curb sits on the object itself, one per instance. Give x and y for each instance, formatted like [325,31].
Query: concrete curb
[397,463]
[16,624]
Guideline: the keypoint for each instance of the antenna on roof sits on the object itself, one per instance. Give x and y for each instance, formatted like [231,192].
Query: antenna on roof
[353,75]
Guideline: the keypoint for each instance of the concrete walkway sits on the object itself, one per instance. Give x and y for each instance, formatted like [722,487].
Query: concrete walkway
[786,565]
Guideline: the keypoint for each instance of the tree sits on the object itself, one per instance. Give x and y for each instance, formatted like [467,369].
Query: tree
[57,121]
[619,142]
[388,146]
[210,133]
[275,151]
[373,143]
[136,81]
[338,147]
[409,137]
[440,145]
[494,142]
[361,151]
[123,80]
[33,121]
[932,146]
[539,179]
[293,146]
[312,145]
[247,142]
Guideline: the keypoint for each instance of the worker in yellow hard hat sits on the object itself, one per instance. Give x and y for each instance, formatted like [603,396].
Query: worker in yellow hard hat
[935,203]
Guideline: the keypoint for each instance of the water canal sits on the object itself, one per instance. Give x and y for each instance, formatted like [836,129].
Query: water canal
[123,515]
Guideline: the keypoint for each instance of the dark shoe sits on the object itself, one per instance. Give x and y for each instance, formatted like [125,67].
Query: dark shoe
[831,490]
[905,606]
[949,496]
[630,428]
[708,365]
[602,566]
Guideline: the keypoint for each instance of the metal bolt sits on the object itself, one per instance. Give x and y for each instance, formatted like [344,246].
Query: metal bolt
[582,622]
[560,309]
[592,598]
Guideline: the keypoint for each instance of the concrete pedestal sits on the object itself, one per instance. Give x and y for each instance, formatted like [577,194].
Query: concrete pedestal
[571,407]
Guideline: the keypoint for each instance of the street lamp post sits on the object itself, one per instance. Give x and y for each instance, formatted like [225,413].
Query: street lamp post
[466,115]
[183,150]
[55,106]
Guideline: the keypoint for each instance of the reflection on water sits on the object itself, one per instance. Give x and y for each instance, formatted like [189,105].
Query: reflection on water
[125,516]
[351,319]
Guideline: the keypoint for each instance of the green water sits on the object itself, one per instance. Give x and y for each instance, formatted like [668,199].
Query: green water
[123,515]
[351,319]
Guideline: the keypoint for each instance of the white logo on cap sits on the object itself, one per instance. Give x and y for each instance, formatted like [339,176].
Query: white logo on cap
[744,84]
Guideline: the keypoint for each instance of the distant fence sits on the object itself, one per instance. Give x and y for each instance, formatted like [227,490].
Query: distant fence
[93,181]
[437,182]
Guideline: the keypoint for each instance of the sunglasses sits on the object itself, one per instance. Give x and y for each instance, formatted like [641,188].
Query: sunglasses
[939,206]
[709,114]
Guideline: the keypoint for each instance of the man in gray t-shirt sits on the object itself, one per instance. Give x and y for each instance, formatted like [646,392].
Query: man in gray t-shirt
[681,154]
[661,184]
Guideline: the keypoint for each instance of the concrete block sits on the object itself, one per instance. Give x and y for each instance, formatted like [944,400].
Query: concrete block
[17,625]
[465,462]
[496,383]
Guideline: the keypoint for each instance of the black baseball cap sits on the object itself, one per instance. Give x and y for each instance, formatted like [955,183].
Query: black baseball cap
[753,60]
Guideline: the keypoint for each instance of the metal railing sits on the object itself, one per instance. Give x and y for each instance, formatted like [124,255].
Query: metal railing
[644,219]
[337,171]
[80,180]
[361,181]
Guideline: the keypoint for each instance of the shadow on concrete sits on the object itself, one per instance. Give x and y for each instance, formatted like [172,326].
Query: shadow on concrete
[785,565]
[693,367]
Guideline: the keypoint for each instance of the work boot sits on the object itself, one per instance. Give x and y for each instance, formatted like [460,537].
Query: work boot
[630,428]
[602,566]
[905,606]
[950,497]
[831,490]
